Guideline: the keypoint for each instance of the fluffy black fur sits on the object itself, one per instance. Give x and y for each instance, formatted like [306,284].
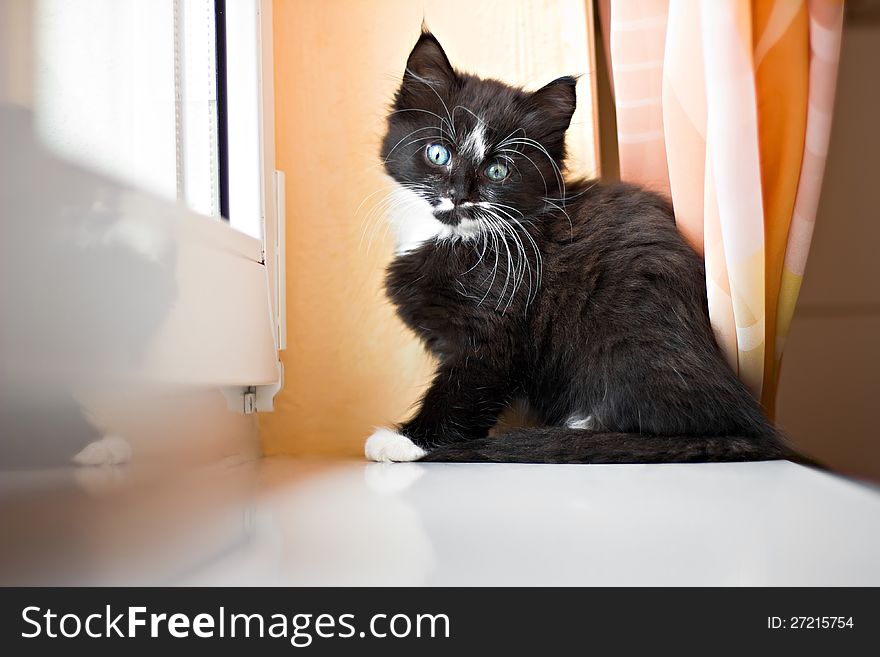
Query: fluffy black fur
[586,302]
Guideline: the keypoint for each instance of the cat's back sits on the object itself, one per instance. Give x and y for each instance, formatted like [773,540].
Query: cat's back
[620,225]
[617,209]
[622,257]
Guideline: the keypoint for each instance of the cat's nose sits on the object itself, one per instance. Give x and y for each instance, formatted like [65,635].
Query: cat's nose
[457,196]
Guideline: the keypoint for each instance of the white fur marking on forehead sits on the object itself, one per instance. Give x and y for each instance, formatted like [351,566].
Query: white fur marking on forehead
[475,142]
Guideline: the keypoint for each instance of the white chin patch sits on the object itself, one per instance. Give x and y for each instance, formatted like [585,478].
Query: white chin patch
[386,445]
[468,229]
[475,143]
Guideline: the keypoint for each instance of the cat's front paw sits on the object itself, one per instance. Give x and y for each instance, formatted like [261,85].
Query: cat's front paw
[387,445]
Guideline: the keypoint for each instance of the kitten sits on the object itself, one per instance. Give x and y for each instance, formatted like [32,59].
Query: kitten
[578,296]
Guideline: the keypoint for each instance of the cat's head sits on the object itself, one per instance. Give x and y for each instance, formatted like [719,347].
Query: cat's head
[470,150]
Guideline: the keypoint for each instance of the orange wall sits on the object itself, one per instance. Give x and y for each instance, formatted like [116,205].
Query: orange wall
[349,364]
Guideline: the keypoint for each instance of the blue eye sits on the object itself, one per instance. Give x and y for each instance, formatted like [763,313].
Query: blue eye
[497,171]
[438,154]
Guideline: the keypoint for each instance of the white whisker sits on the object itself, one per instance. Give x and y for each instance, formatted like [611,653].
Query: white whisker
[539,261]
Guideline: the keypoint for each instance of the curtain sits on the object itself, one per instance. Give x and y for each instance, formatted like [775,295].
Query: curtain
[725,107]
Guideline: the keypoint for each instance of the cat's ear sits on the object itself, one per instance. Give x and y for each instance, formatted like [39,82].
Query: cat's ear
[555,103]
[428,64]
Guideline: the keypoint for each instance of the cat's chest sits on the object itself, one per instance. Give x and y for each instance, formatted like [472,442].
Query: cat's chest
[469,279]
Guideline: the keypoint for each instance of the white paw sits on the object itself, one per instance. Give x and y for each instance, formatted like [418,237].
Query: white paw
[387,445]
[109,450]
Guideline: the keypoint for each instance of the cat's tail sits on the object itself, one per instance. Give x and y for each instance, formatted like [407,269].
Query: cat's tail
[564,445]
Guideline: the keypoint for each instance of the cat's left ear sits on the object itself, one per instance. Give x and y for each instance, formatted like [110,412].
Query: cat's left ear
[428,65]
[555,104]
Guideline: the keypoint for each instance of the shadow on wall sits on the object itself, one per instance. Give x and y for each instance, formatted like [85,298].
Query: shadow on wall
[87,283]
[99,284]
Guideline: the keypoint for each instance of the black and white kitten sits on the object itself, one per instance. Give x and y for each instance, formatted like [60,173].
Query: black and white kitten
[580,297]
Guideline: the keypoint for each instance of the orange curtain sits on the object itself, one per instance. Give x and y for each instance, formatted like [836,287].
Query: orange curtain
[725,106]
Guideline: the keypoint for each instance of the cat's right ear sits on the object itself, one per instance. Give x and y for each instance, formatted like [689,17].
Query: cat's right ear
[427,66]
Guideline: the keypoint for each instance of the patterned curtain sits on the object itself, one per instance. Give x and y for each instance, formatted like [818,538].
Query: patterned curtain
[725,106]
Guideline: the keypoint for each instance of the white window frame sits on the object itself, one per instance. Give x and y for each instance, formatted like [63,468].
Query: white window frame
[256,188]
[222,266]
